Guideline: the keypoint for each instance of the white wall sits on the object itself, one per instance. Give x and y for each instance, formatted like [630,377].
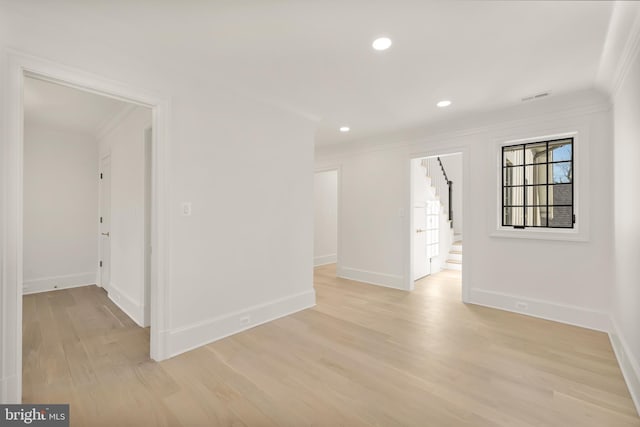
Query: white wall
[562,280]
[245,256]
[374,186]
[60,208]
[325,230]
[626,290]
[453,165]
[125,144]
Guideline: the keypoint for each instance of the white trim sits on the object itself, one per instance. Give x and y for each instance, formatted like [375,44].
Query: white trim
[147,247]
[563,313]
[183,339]
[54,283]
[373,278]
[629,52]
[8,387]
[19,65]
[325,259]
[628,362]
[127,304]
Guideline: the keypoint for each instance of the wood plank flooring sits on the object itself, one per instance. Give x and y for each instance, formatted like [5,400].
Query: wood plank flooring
[365,355]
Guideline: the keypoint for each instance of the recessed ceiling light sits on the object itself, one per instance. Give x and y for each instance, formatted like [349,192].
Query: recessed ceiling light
[345,128]
[444,103]
[382,43]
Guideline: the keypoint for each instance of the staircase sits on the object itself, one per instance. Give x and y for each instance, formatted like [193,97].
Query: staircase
[441,186]
[454,260]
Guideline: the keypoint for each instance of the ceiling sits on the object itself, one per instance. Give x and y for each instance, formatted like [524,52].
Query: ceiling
[315,57]
[65,108]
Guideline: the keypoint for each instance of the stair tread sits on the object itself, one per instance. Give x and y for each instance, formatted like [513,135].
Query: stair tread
[459,242]
[454,261]
[456,252]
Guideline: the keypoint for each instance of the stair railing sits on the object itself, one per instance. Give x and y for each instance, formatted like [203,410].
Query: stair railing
[441,182]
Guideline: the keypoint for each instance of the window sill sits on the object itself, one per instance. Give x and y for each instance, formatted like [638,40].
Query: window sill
[568,235]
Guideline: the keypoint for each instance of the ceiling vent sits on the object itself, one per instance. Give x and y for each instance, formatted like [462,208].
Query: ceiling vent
[536,96]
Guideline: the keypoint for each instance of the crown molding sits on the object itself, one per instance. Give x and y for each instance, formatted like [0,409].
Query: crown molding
[630,51]
[439,133]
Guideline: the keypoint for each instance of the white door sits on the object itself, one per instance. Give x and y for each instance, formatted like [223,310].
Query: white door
[105,222]
[421,264]
[433,229]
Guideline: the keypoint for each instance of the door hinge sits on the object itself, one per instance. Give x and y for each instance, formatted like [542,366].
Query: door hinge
[574,218]
[100,220]
[100,263]
[100,175]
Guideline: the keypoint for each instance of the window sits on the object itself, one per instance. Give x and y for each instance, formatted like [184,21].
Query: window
[537,184]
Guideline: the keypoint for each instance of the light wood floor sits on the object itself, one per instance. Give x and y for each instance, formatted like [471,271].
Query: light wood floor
[365,355]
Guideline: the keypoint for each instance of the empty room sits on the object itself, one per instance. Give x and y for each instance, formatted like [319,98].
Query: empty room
[290,213]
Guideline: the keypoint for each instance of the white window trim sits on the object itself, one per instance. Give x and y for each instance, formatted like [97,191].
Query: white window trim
[579,232]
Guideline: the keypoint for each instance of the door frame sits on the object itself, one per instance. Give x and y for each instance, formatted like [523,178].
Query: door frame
[20,65]
[466,209]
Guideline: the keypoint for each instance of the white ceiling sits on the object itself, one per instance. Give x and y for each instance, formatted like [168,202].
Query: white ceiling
[65,108]
[315,57]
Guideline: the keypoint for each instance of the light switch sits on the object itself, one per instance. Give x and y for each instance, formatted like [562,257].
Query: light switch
[186,209]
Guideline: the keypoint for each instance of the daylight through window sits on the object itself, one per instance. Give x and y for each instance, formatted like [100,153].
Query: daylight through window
[537,184]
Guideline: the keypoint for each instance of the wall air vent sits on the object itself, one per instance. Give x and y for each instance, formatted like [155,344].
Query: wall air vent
[536,96]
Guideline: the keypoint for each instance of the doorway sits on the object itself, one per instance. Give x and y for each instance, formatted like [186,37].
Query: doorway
[436,214]
[326,230]
[22,67]
[66,146]
[326,219]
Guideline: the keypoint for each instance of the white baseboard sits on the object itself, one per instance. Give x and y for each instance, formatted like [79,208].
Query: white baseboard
[372,277]
[325,259]
[9,387]
[180,340]
[629,363]
[98,277]
[53,283]
[572,315]
[127,304]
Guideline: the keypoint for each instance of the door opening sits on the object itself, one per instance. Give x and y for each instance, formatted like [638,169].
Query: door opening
[436,215]
[20,67]
[326,219]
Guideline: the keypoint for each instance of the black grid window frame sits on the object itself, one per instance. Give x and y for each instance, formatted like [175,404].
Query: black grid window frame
[525,185]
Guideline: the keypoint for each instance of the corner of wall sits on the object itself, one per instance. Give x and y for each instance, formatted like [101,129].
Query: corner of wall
[325,259]
[628,362]
[127,304]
